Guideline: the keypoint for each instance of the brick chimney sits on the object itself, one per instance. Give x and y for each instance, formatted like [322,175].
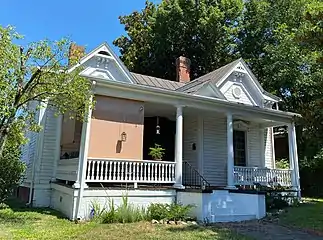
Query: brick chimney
[183,68]
[75,53]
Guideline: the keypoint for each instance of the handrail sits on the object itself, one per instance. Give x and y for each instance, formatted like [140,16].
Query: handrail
[129,171]
[130,160]
[254,175]
[262,168]
[192,178]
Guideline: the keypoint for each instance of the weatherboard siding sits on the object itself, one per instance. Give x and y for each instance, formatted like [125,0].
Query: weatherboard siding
[254,158]
[190,137]
[215,150]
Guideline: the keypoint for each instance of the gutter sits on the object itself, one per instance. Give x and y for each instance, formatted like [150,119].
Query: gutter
[193,98]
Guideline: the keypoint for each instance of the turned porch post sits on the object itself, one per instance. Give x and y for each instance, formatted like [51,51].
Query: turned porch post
[230,160]
[291,136]
[179,147]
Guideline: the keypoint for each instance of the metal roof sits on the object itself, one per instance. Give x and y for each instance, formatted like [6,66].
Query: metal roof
[156,82]
[213,77]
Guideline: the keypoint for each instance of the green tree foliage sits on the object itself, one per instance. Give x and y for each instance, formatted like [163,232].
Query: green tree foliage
[40,73]
[12,169]
[280,40]
[276,42]
[205,31]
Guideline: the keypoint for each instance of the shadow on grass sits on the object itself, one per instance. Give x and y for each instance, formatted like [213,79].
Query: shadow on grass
[221,233]
[17,212]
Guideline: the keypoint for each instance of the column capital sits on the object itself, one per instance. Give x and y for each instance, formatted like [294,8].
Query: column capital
[179,106]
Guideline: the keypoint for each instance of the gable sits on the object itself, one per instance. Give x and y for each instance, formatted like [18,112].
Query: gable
[238,93]
[103,63]
[236,83]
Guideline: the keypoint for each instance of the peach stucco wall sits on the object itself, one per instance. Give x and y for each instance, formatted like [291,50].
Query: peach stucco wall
[111,117]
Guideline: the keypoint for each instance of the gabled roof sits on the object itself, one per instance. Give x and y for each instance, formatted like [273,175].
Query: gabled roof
[214,77]
[156,82]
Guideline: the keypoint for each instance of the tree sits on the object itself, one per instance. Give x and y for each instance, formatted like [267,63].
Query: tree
[204,30]
[312,27]
[38,73]
[286,66]
[12,169]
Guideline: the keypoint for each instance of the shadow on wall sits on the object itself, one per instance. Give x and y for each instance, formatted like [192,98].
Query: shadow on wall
[116,129]
[119,146]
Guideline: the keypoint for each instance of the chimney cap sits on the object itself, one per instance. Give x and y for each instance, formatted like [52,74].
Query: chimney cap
[183,60]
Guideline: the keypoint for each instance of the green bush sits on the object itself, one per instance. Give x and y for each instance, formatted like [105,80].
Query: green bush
[158,211]
[11,168]
[172,211]
[282,164]
[276,201]
[129,213]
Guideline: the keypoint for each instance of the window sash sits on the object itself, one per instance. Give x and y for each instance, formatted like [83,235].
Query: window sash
[239,148]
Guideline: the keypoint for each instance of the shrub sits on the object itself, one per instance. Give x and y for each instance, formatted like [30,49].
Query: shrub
[129,213]
[179,212]
[282,164]
[158,211]
[276,201]
[172,211]
[12,169]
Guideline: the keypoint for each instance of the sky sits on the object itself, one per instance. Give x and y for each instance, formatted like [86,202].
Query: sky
[86,22]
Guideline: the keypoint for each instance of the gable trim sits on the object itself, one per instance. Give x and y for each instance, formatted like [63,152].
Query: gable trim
[95,52]
[245,91]
[252,77]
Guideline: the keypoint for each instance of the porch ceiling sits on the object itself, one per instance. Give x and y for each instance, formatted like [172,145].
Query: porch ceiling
[169,111]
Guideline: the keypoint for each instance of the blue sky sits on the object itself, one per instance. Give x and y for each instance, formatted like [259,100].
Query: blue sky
[87,22]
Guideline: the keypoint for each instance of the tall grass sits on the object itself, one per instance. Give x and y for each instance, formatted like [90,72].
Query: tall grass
[124,213]
[129,213]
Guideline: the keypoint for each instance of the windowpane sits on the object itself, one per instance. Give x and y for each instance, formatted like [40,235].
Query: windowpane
[239,146]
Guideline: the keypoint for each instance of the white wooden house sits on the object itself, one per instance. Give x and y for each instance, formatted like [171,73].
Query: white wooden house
[217,131]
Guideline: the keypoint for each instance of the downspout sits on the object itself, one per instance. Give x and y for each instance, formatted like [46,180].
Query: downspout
[39,146]
[83,159]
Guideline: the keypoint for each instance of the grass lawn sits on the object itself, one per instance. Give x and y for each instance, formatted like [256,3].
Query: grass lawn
[26,223]
[308,215]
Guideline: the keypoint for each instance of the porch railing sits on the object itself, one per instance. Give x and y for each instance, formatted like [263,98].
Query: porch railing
[130,171]
[254,175]
[192,178]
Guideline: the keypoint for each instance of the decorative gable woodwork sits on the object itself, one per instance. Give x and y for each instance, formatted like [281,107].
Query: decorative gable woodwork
[102,63]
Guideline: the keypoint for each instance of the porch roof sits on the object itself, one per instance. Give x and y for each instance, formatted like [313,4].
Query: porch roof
[161,95]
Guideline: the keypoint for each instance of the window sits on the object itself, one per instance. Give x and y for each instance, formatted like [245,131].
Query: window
[239,147]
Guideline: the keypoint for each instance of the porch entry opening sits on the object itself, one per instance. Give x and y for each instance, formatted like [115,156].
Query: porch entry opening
[165,138]
[239,148]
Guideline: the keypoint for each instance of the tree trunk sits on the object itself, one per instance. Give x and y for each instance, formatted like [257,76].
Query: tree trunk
[3,140]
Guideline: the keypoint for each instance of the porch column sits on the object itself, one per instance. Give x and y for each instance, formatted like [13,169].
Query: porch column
[179,148]
[84,146]
[296,167]
[230,160]
[291,154]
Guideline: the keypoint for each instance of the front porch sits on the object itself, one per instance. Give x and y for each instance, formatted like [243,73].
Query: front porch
[207,153]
